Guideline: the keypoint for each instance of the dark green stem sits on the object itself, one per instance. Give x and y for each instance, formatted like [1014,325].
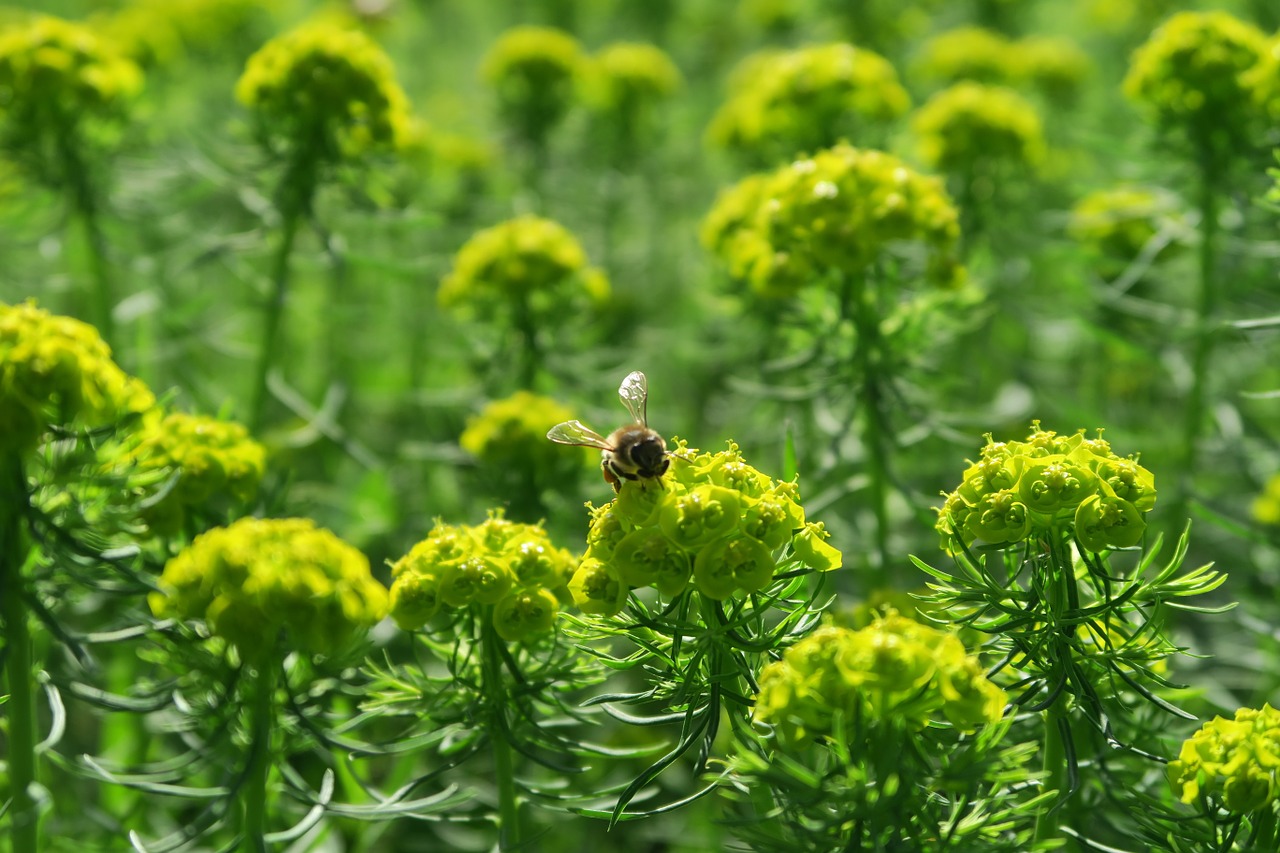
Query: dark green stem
[23,814]
[510,836]
[866,361]
[253,794]
[1061,600]
[1054,756]
[531,355]
[1206,304]
[84,206]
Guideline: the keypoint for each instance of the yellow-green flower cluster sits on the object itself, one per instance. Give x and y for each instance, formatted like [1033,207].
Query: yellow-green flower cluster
[534,72]
[712,520]
[212,461]
[327,92]
[968,53]
[786,103]
[1266,506]
[835,212]
[1055,65]
[1193,76]
[1116,224]
[268,585]
[511,435]
[896,670]
[517,259]
[627,77]
[510,567]
[155,32]
[971,126]
[1235,761]
[1048,486]
[57,371]
[58,77]
[1264,81]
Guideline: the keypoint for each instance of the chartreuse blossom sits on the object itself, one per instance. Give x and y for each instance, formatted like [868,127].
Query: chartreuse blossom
[967,53]
[625,78]
[793,102]
[1235,763]
[509,440]
[57,371]
[213,463]
[1117,225]
[1054,65]
[155,32]
[512,571]
[534,72]
[1046,487]
[836,212]
[1266,506]
[326,93]
[269,585]
[970,127]
[838,680]
[1193,77]
[712,523]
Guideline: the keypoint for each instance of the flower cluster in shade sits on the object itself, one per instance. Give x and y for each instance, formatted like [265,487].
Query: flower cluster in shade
[213,463]
[325,92]
[1047,487]
[534,72]
[1266,506]
[512,568]
[1237,762]
[785,103]
[271,585]
[837,212]
[712,522]
[521,259]
[627,78]
[971,127]
[57,371]
[59,79]
[511,435]
[1117,224]
[894,671]
[1197,76]
[158,32]
[1053,65]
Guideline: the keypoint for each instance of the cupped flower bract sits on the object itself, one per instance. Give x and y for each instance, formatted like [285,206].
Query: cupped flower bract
[57,371]
[326,93]
[837,212]
[525,258]
[514,568]
[712,522]
[1236,762]
[1046,487]
[793,102]
[267,585]
[534,72]
[1193,77]
[896,670]
[970,127]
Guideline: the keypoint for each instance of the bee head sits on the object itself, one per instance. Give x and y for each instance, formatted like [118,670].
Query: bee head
[650,454]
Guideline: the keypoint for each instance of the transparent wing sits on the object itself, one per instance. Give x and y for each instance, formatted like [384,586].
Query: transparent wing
[577,433]
[634,392]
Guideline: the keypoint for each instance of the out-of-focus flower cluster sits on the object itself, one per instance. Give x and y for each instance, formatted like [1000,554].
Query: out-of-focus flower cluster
[712,520]
[213,462]
[971,127]
[57,371]
[1116,224]
[1053,65]
[1266,506]
[156,32]
[1046,487]
[1193,76]
[325,92]
[626,78]
[534,72]
[511,435]
[268,585]
[836,212]
[59,79]
[512,567]
[792,102]
[1235,761]
[896,670]
[518,259]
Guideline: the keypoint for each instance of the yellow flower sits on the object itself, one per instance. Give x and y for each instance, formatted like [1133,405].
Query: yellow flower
[974,127]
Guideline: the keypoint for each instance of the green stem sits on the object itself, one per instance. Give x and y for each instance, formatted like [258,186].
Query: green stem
[510,836]
[1206,303]
[253,794]
[866,359]
[23,814]
[1055,769]
[84,205]
[531,357]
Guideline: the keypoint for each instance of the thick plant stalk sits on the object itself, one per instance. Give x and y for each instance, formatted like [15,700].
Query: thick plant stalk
[509,830]
[84,205]
[23,814]
[866,360]
[1054,756]
[253,794]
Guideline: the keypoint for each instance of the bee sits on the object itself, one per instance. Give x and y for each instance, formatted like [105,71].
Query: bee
[631,452]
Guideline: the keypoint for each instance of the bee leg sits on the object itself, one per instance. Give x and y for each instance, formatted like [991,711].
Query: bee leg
[610,477]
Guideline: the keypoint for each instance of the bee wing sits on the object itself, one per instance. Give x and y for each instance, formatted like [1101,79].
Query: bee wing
[634,392]
[578,434]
